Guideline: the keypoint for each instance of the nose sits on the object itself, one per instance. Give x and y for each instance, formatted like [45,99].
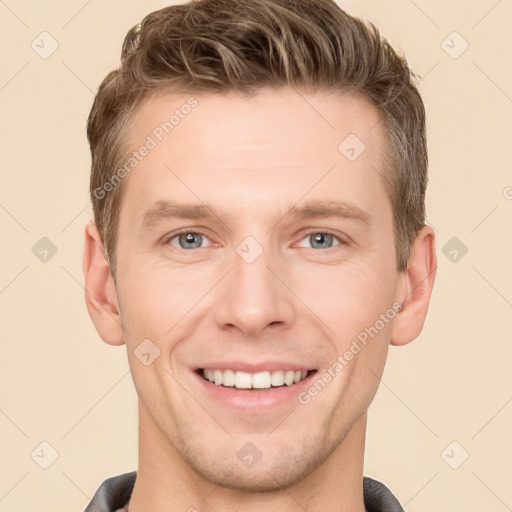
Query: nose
[254,296]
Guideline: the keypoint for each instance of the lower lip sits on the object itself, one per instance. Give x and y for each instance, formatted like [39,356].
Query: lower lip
[254,399]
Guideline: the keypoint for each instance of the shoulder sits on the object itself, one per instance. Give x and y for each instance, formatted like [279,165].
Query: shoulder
[113,493]
[378,498]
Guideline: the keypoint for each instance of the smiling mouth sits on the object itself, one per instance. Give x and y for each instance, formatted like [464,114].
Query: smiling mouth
[260,381]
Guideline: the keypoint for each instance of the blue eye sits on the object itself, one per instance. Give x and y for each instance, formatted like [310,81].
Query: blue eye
[322,240]
[188,240]
[317,239]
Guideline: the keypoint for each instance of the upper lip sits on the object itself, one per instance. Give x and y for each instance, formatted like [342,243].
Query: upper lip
[251,367]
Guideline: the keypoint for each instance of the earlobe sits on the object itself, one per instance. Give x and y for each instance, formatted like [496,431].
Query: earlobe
[100,291]
[415,288]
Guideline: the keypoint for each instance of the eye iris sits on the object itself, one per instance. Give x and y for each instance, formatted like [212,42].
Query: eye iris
[188,238]
[320,238]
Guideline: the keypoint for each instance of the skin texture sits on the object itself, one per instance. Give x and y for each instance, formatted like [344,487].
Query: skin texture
[251,160]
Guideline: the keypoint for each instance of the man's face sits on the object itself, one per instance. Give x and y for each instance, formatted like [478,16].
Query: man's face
[250,287]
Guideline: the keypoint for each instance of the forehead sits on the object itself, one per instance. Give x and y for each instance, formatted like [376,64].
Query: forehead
[230,119]
[280,140]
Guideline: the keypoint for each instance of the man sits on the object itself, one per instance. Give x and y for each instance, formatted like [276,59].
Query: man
[259,240]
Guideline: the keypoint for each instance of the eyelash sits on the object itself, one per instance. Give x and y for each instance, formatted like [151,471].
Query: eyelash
[341,240]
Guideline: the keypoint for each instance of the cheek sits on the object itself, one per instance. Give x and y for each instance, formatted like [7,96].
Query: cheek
[349,297]
[156,299]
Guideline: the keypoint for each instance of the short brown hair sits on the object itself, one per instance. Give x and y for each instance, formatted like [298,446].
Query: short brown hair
[244,46]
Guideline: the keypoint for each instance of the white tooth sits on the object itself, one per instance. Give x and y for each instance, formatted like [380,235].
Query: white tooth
[243,380]
[217,374]
[277,378]
[288,377]
[228,378]
[261,380]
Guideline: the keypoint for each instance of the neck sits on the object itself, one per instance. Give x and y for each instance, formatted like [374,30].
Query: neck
[165,482]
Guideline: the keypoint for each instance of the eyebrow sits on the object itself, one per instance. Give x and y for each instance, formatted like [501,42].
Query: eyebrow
[164,210]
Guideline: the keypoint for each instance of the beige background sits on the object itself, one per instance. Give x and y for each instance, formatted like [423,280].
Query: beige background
[61,384]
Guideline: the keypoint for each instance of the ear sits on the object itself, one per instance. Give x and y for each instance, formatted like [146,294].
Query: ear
[415,288]
[100,290]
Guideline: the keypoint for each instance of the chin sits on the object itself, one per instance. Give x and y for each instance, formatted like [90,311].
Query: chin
[275,470]
[266,478]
